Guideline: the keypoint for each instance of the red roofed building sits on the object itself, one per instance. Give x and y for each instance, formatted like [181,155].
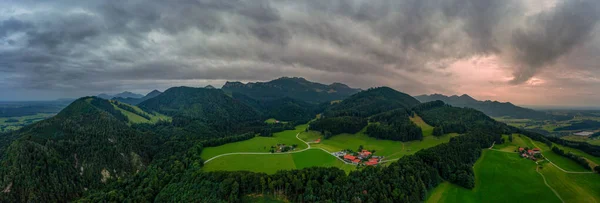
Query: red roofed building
[521,149]
[349,157]
[530,152]
[373,160]
[356,160]
[536,150]
[371,163]
[318,140]
[365,153]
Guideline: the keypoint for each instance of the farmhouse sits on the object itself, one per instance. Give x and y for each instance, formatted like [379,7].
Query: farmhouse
[350,157]
[318,141]
[364,153]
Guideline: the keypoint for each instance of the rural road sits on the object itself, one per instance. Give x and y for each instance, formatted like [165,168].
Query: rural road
[269,153]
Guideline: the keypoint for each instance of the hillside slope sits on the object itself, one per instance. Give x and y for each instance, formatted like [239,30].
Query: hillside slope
[85,145]
[490,108]
[295,88]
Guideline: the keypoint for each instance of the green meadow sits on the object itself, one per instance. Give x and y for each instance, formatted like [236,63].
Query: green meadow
[388,148]
[269,163]
[425,128]
[499,177]
[135,118]
[273,163]
[257,144]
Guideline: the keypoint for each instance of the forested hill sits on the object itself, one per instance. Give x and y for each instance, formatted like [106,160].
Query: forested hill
[371,102]
[295,88]
[86,144]
[200,103]
[491,108]
[449,119]
[387,108]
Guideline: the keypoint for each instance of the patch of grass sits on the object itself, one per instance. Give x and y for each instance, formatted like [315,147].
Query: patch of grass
[257,144]
[573,187]
[316,157]
[425,128]
[499,177]
[273,121]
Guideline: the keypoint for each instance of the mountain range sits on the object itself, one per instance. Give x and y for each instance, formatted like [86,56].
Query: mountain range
[292,87]
[491,108]
[98,150]
[135,100]
[125,94]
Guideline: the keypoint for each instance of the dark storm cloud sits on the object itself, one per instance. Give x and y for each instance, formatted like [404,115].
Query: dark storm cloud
[68,45]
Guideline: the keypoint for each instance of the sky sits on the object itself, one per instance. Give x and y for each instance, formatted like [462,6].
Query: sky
[530,52]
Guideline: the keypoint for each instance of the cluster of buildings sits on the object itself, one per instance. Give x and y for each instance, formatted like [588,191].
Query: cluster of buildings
[364,157]
[529,153]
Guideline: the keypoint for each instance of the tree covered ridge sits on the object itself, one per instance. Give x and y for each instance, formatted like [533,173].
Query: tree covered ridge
[81,147]
[449,119]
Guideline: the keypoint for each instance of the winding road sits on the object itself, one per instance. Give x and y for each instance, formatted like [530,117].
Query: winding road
[268,153]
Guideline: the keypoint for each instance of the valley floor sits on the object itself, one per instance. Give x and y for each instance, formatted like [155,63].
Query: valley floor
[502,176]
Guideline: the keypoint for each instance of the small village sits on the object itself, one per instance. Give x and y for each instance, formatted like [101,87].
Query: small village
[533,154]
[362,157]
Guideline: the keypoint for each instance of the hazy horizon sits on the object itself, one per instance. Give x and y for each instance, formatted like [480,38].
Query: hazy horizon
[527,52]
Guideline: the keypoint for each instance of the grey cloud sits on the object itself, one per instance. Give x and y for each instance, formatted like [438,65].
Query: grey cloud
[550,35]
[93,44]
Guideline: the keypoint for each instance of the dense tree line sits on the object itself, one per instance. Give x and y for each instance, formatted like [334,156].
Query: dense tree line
[580,160]
[394,125]
[448,119]
[597,169]
[338,125]
[371,102]
[585,124]
[269,129]
[583,146]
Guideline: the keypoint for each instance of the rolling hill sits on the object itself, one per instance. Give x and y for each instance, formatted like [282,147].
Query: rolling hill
[490,108]
[294,87]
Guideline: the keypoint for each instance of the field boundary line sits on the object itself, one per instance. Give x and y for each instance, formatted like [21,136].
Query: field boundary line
[268,153]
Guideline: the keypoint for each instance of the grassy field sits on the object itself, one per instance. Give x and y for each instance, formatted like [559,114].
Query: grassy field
[313,157]
[258,144]
[499,177]
[426,128]
[273,163]
[135,118]
[22,121]
[389,149]
[573,187]
[255,163]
